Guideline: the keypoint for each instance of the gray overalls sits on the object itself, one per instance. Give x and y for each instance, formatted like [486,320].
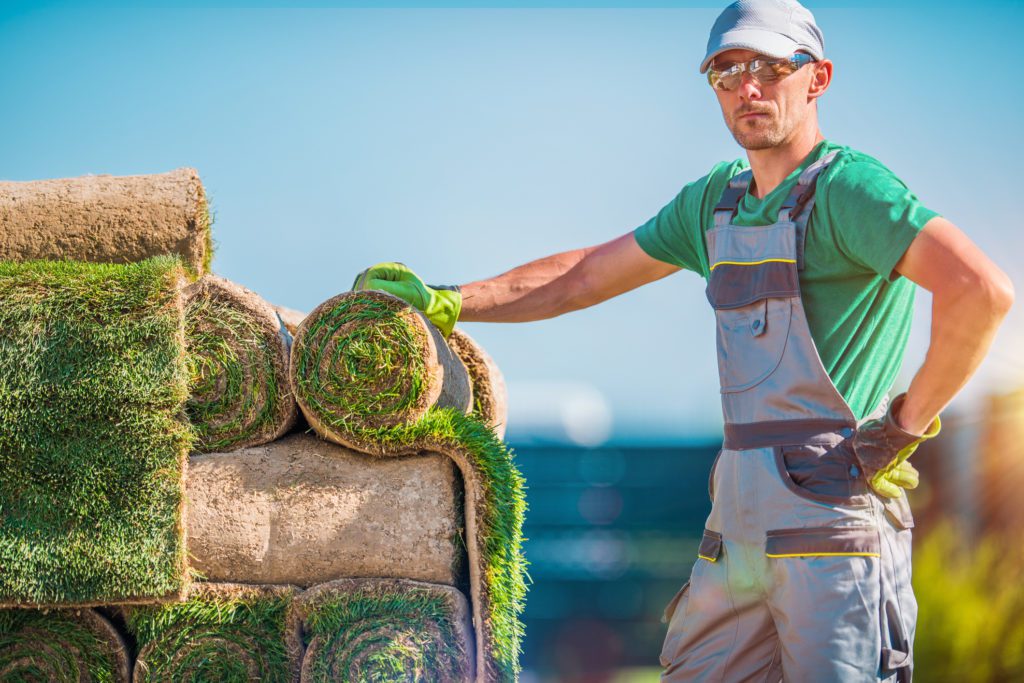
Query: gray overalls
[803,572]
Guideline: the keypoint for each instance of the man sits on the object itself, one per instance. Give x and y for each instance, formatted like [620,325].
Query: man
[811,255]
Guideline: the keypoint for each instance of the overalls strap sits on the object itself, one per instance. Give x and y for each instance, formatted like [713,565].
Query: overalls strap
[800,203]
[729,203]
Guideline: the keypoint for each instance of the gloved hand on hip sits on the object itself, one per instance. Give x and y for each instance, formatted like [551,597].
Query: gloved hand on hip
[882,447]
[441,304]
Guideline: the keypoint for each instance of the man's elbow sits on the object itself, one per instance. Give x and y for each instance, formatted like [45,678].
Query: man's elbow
[995,292]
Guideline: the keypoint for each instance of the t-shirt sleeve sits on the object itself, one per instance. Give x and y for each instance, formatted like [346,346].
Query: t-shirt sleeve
[874,215]
[676,234]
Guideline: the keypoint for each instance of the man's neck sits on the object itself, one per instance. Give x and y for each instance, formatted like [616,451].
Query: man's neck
[771,166]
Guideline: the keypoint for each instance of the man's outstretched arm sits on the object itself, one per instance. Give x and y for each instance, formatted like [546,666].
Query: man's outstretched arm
[561,283]
[970,298]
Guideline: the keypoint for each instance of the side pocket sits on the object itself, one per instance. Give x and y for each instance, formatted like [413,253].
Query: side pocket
[673,616]
[896,654]
[670,608]
[711,477]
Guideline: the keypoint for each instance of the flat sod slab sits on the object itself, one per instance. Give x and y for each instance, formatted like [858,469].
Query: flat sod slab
[93,439]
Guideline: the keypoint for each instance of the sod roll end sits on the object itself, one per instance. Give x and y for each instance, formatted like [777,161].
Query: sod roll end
[385,630]
[61,645]
[222,632]
[367,361]
[238,360]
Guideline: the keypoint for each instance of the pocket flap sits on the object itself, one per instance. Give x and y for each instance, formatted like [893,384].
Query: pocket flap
[814,541]
[733,284]
[710,546]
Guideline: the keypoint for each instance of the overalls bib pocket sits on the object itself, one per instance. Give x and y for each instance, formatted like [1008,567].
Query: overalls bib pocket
[751,336]
[751,285]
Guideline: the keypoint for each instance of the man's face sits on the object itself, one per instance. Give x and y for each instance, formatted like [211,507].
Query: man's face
[764,115]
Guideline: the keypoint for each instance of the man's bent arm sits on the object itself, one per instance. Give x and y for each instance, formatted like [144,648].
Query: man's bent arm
[970,298]
[561,283]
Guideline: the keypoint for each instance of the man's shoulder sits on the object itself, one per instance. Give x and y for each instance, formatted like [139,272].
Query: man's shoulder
[852,167]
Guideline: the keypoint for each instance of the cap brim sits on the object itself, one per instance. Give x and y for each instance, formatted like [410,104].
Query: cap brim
[756,40]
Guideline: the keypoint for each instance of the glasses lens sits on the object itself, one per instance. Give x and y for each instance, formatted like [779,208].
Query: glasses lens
[770,70]
[726,79]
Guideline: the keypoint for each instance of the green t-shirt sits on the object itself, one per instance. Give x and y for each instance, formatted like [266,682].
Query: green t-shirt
[864,218]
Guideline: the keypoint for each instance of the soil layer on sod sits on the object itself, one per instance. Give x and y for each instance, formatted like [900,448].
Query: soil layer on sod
[61,645]
[305,511]
[93,439]
[224,632]
[362,371]
[238,353]
[107,219]
[385,630]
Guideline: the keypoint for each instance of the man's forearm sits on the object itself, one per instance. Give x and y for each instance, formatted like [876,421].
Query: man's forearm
[536,290]
[963,327]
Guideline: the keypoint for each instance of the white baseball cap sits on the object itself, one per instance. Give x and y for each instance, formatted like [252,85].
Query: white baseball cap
[776,28]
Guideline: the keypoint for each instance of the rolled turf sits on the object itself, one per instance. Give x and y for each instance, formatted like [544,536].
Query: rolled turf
[385,630]
[304,511]
[238,364]
[93,440]
[490,396]
[370,348]
[108,219]
[224,632]
[370,360]
[66,646]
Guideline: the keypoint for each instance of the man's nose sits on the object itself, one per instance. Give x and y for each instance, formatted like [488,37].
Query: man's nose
[749,88]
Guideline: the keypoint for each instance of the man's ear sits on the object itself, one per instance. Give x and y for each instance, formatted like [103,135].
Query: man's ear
[820,80]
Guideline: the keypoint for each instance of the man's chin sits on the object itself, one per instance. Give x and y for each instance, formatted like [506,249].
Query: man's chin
[755,142]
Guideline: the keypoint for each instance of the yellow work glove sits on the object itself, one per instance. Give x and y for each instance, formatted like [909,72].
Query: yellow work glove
[440,304]
[882,447]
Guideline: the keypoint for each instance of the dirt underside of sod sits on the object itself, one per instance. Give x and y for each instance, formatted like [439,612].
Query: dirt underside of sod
[93,440]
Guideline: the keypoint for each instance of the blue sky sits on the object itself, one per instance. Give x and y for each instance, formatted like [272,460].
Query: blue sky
[466,140]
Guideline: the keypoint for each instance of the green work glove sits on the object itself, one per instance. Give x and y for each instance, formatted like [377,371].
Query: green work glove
[882,447]
[441,304]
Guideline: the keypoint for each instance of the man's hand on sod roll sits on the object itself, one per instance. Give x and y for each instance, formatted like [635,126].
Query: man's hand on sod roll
[441,304]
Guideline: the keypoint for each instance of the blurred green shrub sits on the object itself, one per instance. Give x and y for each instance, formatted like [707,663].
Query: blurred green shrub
[970,594]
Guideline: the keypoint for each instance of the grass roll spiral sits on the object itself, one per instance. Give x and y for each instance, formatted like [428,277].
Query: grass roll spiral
[231,633]
[60,645]
[238,362]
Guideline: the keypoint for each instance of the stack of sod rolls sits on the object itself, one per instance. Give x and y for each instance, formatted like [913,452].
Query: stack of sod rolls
[371,373]
[271,553]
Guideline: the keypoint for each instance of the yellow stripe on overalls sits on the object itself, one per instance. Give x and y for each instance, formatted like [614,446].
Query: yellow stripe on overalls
[705,557]
[753,263]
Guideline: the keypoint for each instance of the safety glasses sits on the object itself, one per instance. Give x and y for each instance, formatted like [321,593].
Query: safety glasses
[762,69]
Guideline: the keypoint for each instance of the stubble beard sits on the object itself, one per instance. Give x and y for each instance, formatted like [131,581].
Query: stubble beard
[758,133]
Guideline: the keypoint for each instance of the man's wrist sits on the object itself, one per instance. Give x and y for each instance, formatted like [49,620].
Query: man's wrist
[909,418]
